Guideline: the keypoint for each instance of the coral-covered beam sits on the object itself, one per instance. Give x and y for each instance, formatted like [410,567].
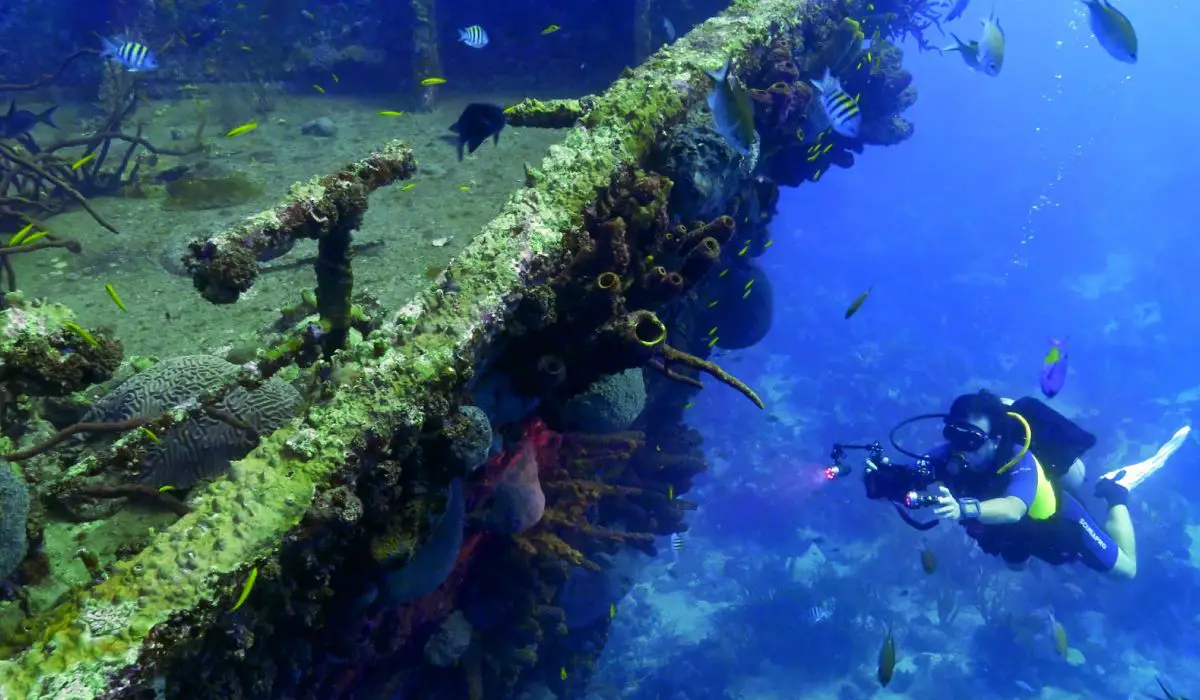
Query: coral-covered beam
[225,265]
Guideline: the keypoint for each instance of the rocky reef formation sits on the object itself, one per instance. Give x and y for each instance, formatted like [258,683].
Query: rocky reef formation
[494,450]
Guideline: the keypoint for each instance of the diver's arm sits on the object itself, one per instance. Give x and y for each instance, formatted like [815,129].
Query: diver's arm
[1002,511]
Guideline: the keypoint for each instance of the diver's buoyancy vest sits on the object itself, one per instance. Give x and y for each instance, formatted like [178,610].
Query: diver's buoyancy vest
[1055,443]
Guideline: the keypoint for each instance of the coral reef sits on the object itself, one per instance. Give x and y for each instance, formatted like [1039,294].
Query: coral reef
[14,512]
[43,352]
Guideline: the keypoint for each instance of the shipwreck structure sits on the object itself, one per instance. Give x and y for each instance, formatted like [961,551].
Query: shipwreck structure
[434,500]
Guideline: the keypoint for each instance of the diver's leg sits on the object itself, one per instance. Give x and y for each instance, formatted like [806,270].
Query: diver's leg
[1073,479]
[1113,549]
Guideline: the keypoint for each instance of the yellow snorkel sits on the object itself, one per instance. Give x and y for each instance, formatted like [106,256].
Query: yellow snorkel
[1024,448]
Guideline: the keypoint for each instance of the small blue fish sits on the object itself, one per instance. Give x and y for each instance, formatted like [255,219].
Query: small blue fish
[473,36]
[1054,368]
[19,122]
[960,6]
[130,55]
[840,108]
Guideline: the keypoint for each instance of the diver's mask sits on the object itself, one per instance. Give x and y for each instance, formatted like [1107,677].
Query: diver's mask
[964,437]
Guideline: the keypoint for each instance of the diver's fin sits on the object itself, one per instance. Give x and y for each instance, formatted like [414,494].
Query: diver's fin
[1129,477]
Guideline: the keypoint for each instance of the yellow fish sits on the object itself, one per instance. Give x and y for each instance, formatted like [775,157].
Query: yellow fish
[246,48]
[464,188]
[612,610]
[563,673]
[82,161]
[391,113]
[20,235]
[550,29]
[164,489]
[246,589]
[35,237]
[432,81]
[243,129]
[154,438]
[408,187]
[82,333]
[671,491]
[112,294]
[318,88]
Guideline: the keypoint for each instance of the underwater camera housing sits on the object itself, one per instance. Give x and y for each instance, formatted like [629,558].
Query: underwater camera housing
[899,483]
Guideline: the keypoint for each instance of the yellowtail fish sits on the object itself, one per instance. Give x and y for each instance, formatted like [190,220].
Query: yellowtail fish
[318,88]
[83,161]
[1113,30]
[19,236]
[432,81]
[408,187]
[239,130]
[550,29]
[112,294]
[612,610]
[562,673]
[887,660]
[391,113]
[671,491]
[34,238]
[246,589]
[840,108]
[857,303]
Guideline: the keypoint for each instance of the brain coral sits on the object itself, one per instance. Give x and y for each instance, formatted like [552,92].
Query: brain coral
[202,447]
[14,511]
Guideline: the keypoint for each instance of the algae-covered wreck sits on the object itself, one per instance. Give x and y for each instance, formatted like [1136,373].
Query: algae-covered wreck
[439,493]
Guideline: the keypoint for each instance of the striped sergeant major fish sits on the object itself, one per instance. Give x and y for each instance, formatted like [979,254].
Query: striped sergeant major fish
[840,109]
[473,36]
[817,614]
[131,55]
[676,541]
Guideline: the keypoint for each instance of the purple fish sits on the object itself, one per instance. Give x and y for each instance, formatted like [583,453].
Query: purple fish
[1054,368]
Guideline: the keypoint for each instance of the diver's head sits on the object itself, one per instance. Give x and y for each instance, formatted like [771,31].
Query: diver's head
[975,428]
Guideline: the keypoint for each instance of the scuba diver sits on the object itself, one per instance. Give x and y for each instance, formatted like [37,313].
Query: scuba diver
[1008,473]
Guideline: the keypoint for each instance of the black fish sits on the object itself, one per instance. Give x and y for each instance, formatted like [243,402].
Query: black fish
[21,121]
[476,123]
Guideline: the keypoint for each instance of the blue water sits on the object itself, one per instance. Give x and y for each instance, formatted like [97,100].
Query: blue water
[1054,201]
